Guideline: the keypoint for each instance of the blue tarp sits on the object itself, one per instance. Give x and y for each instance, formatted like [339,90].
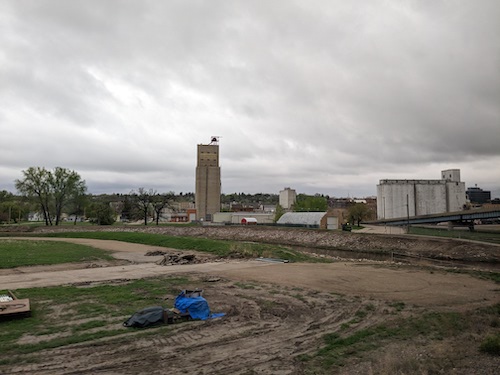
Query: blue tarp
[196,307]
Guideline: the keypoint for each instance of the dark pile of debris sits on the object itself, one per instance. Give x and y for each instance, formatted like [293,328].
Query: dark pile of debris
[175,259]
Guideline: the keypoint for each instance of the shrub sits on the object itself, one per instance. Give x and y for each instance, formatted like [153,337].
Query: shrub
[491,345]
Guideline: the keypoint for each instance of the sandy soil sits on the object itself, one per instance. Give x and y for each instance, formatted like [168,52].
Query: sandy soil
[275,312]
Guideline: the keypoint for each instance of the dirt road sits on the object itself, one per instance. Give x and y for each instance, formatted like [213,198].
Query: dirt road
[423,288]
[275,314]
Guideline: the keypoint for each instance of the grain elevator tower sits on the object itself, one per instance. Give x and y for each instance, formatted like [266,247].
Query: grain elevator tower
[208,180]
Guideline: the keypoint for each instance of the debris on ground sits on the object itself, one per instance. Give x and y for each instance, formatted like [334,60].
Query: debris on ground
[175,259]
[211,279]
[155,253]
[189,304]
[12,307]
[272,260]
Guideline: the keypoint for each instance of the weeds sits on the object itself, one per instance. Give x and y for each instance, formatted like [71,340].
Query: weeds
[491,345]
[337,348]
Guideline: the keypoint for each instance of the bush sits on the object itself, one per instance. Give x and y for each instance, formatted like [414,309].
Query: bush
[491,345]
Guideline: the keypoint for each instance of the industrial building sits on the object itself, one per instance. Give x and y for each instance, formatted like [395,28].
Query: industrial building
[408,198]
[287,198]
[208,181]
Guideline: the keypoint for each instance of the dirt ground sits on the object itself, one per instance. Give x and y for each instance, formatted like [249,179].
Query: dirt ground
[275,313]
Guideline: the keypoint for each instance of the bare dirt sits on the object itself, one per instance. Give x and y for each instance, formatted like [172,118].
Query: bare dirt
[275,314]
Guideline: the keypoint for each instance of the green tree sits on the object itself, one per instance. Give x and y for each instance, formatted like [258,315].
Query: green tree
[101,213]
[358,212]
[280,211]
[77,206]
[310,203]
[65,185]
[52,190]
[35,185]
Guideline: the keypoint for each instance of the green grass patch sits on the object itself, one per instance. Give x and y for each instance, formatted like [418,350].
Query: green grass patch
[57,313]
[485,275]
[398,305]
[217,247]
[18,253]
[491,345]
[493,237]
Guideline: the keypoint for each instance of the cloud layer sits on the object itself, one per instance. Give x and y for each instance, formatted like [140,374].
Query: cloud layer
[323,96]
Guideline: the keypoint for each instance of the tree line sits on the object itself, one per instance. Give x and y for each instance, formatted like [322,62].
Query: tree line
[61,190]
[58,191]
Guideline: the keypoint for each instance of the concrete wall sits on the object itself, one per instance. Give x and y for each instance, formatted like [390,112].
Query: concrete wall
[456,196]
[402,198]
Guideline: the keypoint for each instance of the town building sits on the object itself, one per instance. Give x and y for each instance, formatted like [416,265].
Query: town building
[408,198]
[208,181]
[477,195]
[287,198]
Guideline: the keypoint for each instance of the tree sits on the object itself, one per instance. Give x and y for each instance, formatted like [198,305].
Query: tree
[52,190]
[309,203]
[101,213]
[358,212]
[77,206]
[159,202]
[36,185]
[65,185]
[143,201]
[280,211]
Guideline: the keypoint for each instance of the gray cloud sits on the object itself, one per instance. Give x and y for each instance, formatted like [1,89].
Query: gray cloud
[328,96]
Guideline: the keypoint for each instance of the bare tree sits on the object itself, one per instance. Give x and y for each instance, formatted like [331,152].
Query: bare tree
[143,200]
[159,202]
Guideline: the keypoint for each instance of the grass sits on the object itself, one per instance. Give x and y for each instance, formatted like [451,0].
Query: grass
[491,345]
[101,308]
[338,349]
[18,253]
[493,237]
[216,247]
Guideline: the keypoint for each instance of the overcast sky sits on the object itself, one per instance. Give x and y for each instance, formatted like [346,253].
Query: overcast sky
[321,96]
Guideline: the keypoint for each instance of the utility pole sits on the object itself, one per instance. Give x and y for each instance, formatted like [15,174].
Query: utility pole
[408,213]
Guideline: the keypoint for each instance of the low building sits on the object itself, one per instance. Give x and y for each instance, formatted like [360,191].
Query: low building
[249,221]
[477,195]
[309,219]
[237,217]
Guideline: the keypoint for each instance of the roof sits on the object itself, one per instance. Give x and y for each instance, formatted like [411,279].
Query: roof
[249,219]
[302,218]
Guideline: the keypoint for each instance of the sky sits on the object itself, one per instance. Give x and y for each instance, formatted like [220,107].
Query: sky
[323,96]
